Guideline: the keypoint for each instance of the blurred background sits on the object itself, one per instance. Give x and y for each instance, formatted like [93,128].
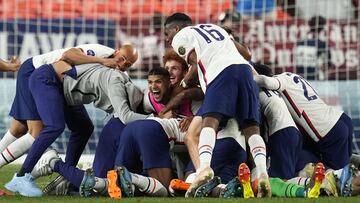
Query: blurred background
[318,39]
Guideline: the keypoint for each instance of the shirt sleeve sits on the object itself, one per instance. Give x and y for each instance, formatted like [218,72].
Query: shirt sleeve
[270,83]
[96,50]
[119,100]
[183,44]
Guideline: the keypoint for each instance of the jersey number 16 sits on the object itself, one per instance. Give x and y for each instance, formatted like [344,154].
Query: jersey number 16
[207,31]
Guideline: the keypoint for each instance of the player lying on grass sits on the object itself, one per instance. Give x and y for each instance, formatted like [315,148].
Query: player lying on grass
[241,186]
[24,112]
[59,91]
[327,131]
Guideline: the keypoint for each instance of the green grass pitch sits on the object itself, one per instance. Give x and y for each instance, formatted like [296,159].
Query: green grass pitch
[6,174]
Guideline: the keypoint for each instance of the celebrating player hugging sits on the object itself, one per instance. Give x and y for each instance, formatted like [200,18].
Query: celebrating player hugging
[209,124]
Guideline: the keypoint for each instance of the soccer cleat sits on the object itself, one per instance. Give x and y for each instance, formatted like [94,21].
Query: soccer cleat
[307,171]
[345,180]
[264,188]
[313,188]
[24,185]
[205,175]
[328,186]
[42,167]
[205,190]
[232,189]
[244,179]
[86,188]
[59,186]
[124,178]
[5,193]
[114,190]
[177,184]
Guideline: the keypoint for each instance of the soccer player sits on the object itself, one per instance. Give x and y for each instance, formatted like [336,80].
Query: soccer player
[328,130]
[12,66]
[223,73]
[279,129]
[110,90]
[24,112]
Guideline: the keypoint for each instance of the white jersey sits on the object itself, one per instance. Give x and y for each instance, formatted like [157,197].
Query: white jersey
[88,49]
[275,113]
[307,109]
[213,46]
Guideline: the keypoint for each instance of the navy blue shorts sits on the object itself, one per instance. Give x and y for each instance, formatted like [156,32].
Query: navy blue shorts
[284,147]
[335,148]
[234,94]
[143,145]
[23,107]
[227,156]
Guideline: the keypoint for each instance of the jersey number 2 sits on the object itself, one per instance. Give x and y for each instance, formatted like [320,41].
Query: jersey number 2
[205,31]
[306,93]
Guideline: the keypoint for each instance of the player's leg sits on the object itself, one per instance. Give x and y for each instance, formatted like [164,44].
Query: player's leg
[285,147]
[107,147]
[50,102]
[249,119]
[335,148]
[81,127]
[192,140]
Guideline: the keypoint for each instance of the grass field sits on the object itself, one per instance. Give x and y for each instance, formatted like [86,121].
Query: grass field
[6,174]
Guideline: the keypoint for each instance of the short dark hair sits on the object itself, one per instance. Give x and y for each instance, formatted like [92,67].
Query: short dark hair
[263,69]
[160,71]
[317,23]
[178,18]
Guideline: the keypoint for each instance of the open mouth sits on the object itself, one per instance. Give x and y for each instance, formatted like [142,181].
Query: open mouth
[172,80]
[156,94]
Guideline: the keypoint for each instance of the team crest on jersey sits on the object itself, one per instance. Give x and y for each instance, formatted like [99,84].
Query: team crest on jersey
[181,50]
[90,53]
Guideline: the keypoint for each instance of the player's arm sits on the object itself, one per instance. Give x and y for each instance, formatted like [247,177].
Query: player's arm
[191,77]
[76,56]
[13,65]
[195,94]
[269,83]
[243,50]
[120,102]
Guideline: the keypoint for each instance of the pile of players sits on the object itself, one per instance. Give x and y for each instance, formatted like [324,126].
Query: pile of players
[204,104]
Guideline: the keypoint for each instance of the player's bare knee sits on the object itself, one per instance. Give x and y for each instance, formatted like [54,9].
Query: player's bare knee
[18,128]
[211,120]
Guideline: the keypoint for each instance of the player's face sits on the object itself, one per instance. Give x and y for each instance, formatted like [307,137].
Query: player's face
[176,72]
[170,32]
[158,85]
[122,62]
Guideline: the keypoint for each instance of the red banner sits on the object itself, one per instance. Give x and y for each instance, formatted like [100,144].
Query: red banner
[273,43]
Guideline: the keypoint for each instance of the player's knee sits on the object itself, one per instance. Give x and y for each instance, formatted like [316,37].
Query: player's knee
[57,129]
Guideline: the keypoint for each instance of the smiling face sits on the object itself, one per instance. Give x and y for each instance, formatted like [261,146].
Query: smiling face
[126,57]
[176,72]
[159,86]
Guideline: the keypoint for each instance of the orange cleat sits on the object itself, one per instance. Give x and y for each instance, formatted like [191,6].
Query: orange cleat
[5,193]
[177,184]
[244,178]
[114,190]
[316,181]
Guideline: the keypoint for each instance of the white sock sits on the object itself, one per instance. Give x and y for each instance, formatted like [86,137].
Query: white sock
[258,152]
[6,140]
[299,181]
[101,185]
[16,149]
[149,185]
[206,146]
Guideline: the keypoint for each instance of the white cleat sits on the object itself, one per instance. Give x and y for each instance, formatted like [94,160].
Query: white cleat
[264,188]
[42,168]
[205,175]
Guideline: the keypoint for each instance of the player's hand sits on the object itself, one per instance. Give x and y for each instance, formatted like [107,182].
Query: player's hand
[14,64]
[168,114]
[185,123]
[110,62]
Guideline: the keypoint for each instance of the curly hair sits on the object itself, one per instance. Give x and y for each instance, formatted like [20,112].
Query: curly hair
[172,55]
